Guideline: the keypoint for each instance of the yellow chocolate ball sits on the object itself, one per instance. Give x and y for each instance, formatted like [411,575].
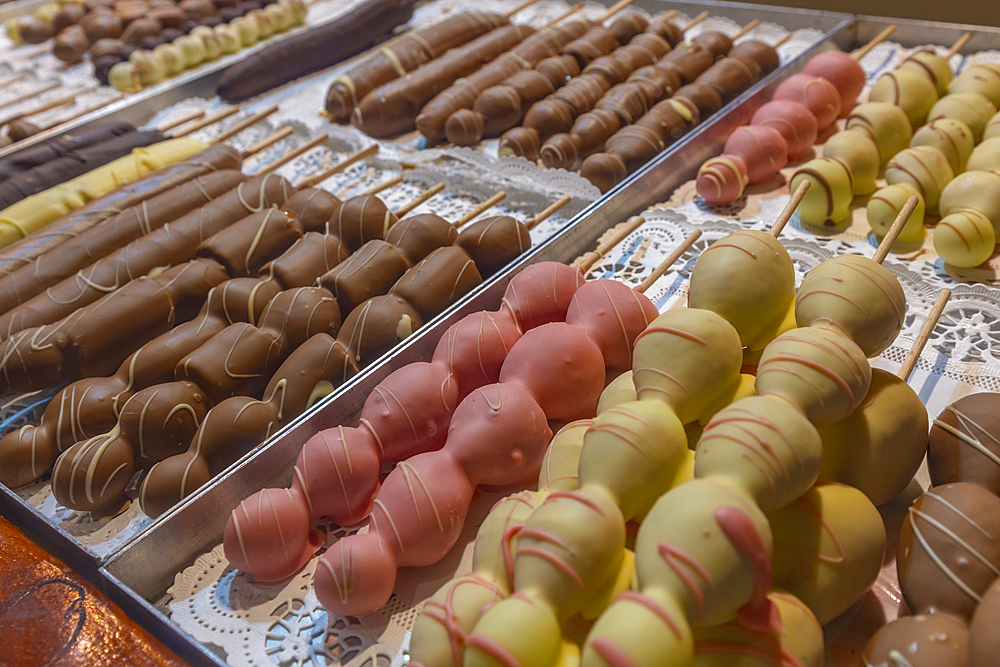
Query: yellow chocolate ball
[620,390]
[992,127]
[885,124]
[830,195]
[965,238]
[931,65]
[885,205]
[878,448]
[952,137]
[855,296]
[986,156]
[973,190]
[924,167]
[908,89]
[754,306]
[973,109]
[828,548]
[860,154]
[820,371]
[980,79]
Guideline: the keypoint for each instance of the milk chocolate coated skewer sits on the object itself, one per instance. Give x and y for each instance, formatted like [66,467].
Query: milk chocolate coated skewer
[168,245]
[212,159]
[91,407]
[403,55]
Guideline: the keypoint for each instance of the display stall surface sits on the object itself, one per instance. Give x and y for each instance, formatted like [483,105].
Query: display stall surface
[470,175]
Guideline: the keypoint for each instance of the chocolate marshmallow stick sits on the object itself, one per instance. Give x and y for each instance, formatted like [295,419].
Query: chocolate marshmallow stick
[420,199]
[52,85]
[244,124]
[879,38]
[294,153]
[267,142]
[206,121]
[177,122]
[316,179]
[926,331]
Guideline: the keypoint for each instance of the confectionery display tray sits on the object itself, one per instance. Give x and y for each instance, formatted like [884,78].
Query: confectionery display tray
[177,549]
[139,107]
[467,175]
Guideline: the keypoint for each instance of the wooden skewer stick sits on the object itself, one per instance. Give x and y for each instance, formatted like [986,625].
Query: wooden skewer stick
[351,184]
[495,199]
[186,118]
[391,183]
[420,199]
[267,142]
[12,80]
[206,121]
[52,85]
[291,155]
[864,50]
[669,261]
[695,21]
[522,6]
[781,41]
[572,10]
[52,104]
[897,226]
[913,356]
[614,9]
[339,167]
[747,28]
[245,123]
[793,203]
[957,46]
[604,248]
[552,208]
[84,112]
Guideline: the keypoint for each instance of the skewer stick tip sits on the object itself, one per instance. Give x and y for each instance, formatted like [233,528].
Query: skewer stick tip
[781,41]
[177,122]
[879,38]
[565,15]
[897,226]
[267,142]
[695,21]
[340,166]
[745,29]
[789,210]
[590,259]
[495,199]
[957,46]
[244,124]
[206,121]
[669,261]
[913,356]
[294,153]
[523,5]
[549,210]
[614,9]
[391,183]
[420,199]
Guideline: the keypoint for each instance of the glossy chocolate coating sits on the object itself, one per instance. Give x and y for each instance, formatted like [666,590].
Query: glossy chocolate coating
[667,30]
[70,44]
[730,77]
[362,219]
[688,62]
[763,54]
[635,145]
[598,41]
[531,86]
[605,170]
[102,25]
[33,31]
[593,128]
[107,47]
[521,141]
[20,129]
[68,15]
[438,280]
[926,640]
[610,68]
[493,242]
[625,27]
[560,151]
[627,100]
[949,549]
[705,97]
[559,69]
[312,255]
[139,29]
[416,236]
[548,117]
[376,326]
[656,82]
[715,42]
[370,271]
[314,209]
[963,443]
[246,246]
[984,640]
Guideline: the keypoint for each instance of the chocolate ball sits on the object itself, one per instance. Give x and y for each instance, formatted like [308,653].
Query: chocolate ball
[926,640]
[70,45]
[730,77]
[604,170]
[68,15]
[592,129]
[550,116]
[34,31]
[131,10]
[627,26]
[763,54]
[170,34]
[137,30]
[655,82]
[949,549]
[498,108]
[964,443]
[635,145]
[90,5]
[667,30]
[609,67]
[715,42]
[559,152]
[106,47]
[102,67]
[197,9]
[627,100]
[168,17]
[21,129]
[102,24]
[705,98]
[688,62]
[520,141]
[559,69]
[464,127]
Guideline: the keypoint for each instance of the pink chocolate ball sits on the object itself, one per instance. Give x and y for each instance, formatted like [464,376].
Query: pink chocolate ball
[541,293]
[819,95]
[762,149]
[612,315]
[843,72]
[722,179]
[268,535]
[794,121]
